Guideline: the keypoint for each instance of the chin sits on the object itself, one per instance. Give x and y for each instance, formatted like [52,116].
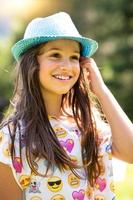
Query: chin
[62,92]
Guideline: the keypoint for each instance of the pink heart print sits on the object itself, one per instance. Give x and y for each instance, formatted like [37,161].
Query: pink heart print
[101,184]
[68,144]
[17,164]
[78,195]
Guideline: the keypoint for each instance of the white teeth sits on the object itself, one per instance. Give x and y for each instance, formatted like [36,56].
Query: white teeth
[62,77]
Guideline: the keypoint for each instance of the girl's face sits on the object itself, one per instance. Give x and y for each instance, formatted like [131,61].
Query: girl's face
[59,66]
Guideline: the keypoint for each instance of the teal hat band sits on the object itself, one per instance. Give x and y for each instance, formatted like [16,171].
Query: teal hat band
[54,27]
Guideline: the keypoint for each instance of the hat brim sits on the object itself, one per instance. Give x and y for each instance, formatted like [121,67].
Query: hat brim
[89,46]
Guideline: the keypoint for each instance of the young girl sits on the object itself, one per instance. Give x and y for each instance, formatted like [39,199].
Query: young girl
[54,145]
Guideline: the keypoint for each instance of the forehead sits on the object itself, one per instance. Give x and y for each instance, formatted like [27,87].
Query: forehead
[62,44]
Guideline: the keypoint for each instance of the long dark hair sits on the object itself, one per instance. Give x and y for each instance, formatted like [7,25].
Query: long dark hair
[41,141]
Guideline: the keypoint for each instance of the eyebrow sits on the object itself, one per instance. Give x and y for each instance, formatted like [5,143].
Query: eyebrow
[52,49]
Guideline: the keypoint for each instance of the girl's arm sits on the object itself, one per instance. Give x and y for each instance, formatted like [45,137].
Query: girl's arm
[121,126]
[9,190]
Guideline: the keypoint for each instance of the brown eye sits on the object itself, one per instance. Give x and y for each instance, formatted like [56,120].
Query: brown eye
[55,55]
[75,57]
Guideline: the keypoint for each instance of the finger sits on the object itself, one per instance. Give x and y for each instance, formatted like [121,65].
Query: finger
[82,59]
[85,65]
[86,71]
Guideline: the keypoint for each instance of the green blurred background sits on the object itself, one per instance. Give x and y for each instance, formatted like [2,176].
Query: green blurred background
[107,21]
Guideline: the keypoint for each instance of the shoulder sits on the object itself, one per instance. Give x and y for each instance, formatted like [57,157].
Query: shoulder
[5,145]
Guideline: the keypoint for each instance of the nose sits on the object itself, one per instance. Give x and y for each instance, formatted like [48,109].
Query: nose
[66,64]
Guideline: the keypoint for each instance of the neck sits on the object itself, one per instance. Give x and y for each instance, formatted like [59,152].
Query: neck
[53,104]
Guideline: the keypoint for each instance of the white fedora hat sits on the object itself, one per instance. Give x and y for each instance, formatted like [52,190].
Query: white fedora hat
[54,27]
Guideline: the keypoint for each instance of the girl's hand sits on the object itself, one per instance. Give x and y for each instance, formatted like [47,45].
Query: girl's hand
[92,75]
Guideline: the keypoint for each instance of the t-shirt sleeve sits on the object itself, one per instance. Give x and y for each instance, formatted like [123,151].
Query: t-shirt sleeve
[104,133]
[105,142]
[5,146]
[20,172]
[105,183]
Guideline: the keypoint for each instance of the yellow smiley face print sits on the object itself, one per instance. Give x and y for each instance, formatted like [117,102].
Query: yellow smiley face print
[89,192]
[101,164]
[74,159]
[7,150]
[24,181]
[1,137]
[60,132]
[99,197]
[36,198]
[112,186]
[58,197]
[54,184]
[73,180]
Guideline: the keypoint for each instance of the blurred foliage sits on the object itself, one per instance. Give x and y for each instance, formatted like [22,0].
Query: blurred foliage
[109,22]
[5,71]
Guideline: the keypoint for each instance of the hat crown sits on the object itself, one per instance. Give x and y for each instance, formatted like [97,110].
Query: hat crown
[59,24]
[55,27]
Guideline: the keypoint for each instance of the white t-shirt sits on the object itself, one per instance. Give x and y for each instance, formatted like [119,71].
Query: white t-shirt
[61,185]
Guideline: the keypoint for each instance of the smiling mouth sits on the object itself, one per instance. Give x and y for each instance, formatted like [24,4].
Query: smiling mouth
[61,77]
[74,182]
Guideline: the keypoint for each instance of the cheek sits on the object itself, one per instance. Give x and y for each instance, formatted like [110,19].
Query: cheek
[44,69]
[43,74]
[77,71]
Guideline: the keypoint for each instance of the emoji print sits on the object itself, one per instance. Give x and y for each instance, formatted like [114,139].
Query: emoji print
[99,197]
[78,195]
[7,150]
[100,137]
[34,186]
[74,159]
[1,136]
[17,164]
[23,141]
[58,197]
[36,198]
[108,150]
[60,132]
[101,164]
[112,186]
[89,192]
[73,180]
[76,131]
[54,184]
[24,181]
[100,184]
[67,145]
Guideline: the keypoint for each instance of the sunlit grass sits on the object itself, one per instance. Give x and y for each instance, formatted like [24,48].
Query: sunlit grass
[124,189]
